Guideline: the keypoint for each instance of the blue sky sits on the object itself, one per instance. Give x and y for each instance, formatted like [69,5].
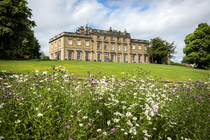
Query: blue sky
[171,20]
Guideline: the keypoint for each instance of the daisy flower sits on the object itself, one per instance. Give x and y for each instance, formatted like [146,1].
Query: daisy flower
[108,122]
[17,121]
[98,130]
[128,114]
[40,114]
[134,118]
[80,124]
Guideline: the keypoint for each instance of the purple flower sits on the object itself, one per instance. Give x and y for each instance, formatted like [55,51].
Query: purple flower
[12,90]
[36,85]
[113,129]
[59,69]
[202,101]
[8,101]
[17,96]
[174,93]
[70,139]
[39,77]
[68,127]
[23,98]
[5,103]
[49,74]
[89,124]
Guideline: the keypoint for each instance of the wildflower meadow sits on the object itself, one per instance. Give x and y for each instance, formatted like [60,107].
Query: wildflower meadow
[56,104]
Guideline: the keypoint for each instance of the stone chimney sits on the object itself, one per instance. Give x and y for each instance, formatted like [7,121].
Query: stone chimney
[86,30]
[110,30]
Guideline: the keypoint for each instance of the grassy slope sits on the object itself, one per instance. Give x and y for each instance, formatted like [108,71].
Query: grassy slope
[165,72]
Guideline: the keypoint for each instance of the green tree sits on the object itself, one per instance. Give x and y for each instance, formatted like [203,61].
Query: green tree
[160,49]
[17,38]
[197,46]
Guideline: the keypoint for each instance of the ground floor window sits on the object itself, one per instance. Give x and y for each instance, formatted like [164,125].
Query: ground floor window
[78,55]
[105,58]
[99,57]
[87,56]
[145,58]
[112,57]
[70,55]
[133,58]
[118,58]
[124,58]
[139,58]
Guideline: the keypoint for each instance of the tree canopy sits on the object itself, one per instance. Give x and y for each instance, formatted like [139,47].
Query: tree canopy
[160,49]
[197,48]
[17,37]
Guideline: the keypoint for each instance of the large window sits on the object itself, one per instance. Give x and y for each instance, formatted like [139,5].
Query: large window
[87,43]
[112,57]
[78,56]
[124,58]
[112,38]
[98,37]
[133,47]
[133,58]
[145,58]
[139,58]
[125,49]
[118,58]
[98,46]
[105,46]
[112,47]
[145,48]
[78,42]
[124,39]
[139,47]
[105,58]
[105,38]
[118,47]
[87,56]
[55,45]
[118,39]
[70,55]
[99,57]
[70,41]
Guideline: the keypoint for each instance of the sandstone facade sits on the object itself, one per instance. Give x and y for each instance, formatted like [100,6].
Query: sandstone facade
[98,45]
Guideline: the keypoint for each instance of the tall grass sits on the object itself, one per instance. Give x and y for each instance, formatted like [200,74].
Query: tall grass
[55,104]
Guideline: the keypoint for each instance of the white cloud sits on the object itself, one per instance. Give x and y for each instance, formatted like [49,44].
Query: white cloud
[144,19]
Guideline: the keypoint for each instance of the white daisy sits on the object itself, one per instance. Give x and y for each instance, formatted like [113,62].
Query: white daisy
[39,115]
[80,124]
[17,121]
[128,114]
[98,130]
[134,118]
[108,122]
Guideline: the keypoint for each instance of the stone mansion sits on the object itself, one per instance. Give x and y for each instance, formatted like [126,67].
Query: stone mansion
[98,45]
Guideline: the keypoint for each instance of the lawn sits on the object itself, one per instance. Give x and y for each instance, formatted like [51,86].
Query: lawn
[165,72]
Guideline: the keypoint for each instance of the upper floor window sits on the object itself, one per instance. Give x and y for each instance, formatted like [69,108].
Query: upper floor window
[112,47]
[118,39]
[105,38]
[112,38]
[124,39]
[70,41]
[145,48]
[125,49]
[87,43]
[133,47]
[55,44]
[98,46]
[78,42]
[98,37]
[105,46]
[139,47]
[118,47]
